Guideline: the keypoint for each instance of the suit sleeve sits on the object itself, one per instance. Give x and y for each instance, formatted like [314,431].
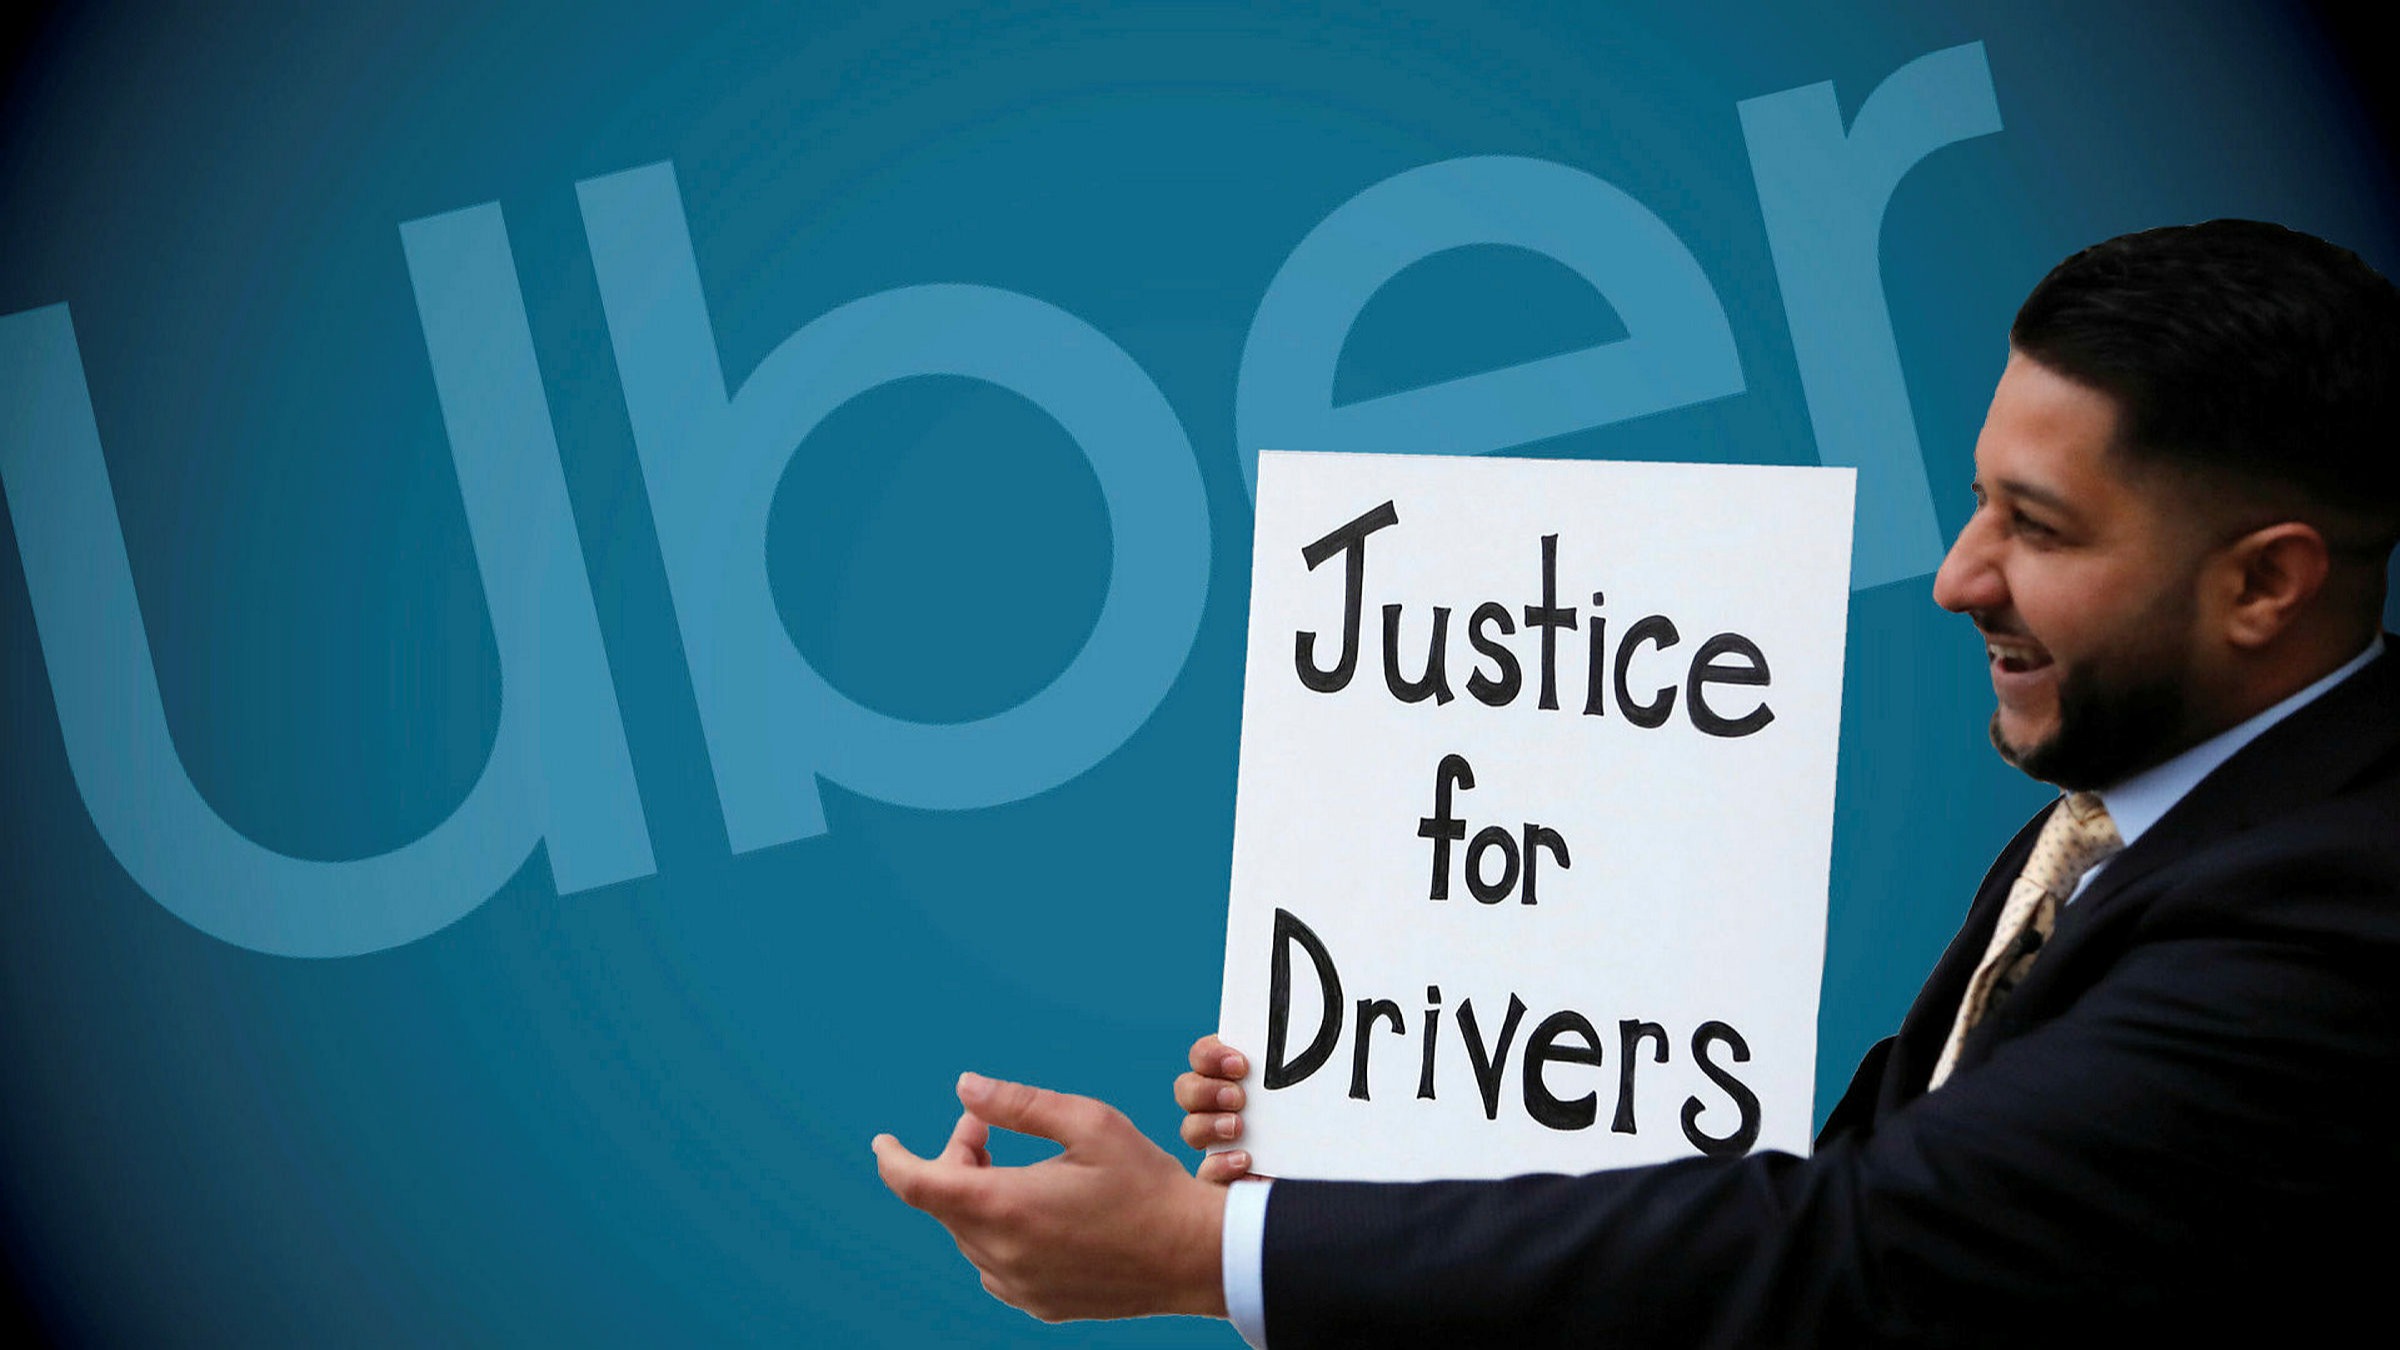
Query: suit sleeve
[2182,1144]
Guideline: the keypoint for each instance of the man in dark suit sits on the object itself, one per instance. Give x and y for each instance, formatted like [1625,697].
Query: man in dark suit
[2151,1088]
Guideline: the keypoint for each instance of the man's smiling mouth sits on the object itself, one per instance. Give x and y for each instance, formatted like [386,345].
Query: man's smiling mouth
[2014,655]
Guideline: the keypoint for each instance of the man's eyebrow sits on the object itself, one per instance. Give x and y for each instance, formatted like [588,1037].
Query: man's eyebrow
[2038,495]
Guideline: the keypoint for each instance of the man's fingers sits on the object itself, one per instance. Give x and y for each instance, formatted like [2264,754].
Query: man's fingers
[1199,1092]
[1055,1116]
[904,1172]
[940,1186]
[1225,1168]
[1216,1059]
[1208,1131]
[970,1142]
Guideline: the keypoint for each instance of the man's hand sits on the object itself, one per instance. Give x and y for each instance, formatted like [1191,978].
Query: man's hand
[1111,1227]
[1212,1093]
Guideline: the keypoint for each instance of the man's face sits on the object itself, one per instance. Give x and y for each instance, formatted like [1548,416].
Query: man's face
[2082,575]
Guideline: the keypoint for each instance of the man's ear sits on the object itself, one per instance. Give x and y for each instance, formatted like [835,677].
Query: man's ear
[2271,575]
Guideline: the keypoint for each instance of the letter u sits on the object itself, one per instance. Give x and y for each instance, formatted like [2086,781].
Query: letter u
[558,773]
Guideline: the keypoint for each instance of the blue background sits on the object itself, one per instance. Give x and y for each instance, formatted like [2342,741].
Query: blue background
[639,1114]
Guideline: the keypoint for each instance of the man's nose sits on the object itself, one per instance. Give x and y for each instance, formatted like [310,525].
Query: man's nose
[1969,577]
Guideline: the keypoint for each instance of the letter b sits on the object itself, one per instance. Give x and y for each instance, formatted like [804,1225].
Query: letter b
[712,460]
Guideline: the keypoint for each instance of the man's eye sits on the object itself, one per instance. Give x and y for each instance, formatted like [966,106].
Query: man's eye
[2027,525]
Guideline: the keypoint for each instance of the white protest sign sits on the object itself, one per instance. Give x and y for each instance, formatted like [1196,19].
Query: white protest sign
[1535,811]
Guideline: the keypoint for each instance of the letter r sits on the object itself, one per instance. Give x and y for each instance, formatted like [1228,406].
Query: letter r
[1823,193]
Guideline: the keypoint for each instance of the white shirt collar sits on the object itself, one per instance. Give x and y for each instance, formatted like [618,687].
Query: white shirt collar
[2142,800]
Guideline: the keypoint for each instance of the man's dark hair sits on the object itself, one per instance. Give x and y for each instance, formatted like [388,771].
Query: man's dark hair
[2243,348]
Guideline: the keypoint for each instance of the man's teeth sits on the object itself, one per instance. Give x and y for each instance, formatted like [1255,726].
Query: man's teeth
[2013,656]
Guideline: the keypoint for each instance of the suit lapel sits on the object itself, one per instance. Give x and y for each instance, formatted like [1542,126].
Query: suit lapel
[1927,1026]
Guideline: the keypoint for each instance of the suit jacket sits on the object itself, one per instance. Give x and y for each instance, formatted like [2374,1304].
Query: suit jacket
[2182,1122]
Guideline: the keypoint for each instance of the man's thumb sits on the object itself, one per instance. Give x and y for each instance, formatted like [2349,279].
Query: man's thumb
[1029,1110]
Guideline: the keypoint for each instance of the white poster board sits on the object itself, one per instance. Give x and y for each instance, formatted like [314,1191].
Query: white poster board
[1571,880]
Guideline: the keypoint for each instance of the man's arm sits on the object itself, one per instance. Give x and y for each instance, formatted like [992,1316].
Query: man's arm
[2190,1144]
[2186,1144]
[2193,1137]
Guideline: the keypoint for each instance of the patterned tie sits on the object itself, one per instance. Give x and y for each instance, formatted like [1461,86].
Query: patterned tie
[2077,837]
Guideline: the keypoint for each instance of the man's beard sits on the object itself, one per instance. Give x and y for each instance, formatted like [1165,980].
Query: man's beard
[2106,732]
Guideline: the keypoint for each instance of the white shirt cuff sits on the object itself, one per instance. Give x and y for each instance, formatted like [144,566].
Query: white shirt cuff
[1245,1258]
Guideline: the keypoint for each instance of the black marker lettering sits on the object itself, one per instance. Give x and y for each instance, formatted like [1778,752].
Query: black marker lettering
[1630,1034]
[1486,839]
[1435,682]
[1661,630]
[1351,542]
[1279,1072]
[1544,1049]
[1494,692]
[1548,617]
[1537,838]
[1370,1011]
[1442,827]
[1707,670]
[1489,1064]
[1744,1100]
[1433,1023]
[1594,664]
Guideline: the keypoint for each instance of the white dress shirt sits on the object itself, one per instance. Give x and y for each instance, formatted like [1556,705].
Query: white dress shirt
[2135,805]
